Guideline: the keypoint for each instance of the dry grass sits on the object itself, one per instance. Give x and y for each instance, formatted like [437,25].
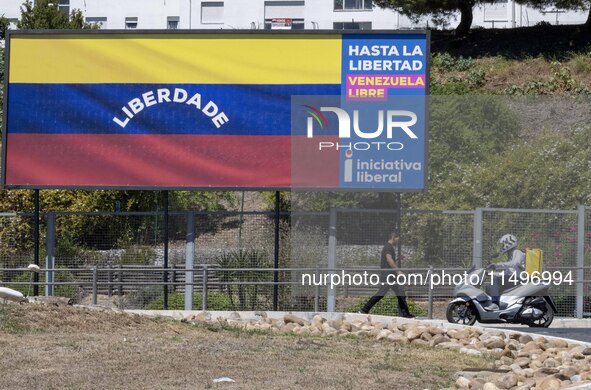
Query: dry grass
[63,347]
[502,73]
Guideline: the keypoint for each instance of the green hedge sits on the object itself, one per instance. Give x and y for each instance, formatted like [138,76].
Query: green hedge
[387,306]
[176,301]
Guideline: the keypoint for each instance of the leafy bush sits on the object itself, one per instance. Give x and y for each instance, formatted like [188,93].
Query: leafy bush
[551,172]
[448,63]
[231,276]
[176,301]
[101,232]
[560,82]
[26,288]
[138,255]
[72,255]
[387,306]
[452,86]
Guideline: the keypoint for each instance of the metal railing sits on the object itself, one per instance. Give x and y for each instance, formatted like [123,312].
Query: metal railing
[123,281]
[128,250]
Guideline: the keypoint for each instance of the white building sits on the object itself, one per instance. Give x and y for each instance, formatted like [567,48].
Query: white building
[282,14]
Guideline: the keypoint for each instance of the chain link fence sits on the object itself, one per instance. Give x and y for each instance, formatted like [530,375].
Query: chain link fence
[257,260]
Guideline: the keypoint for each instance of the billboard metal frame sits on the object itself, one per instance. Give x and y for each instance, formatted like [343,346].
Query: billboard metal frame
[221,33]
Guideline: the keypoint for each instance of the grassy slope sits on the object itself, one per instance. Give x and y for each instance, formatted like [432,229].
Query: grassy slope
[70,348]
[518,56]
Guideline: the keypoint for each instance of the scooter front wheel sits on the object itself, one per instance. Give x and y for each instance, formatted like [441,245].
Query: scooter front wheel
[463,313]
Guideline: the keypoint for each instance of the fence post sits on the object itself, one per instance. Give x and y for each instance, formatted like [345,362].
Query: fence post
[276,253]
[36,243]
[94,284]
[477,243]
[120,280]
[580,261]
[50,249]
[317,290]
[430,303]
[165,265]
[173,279]
[189,260]
[110,280]
[204,288]
[332,256]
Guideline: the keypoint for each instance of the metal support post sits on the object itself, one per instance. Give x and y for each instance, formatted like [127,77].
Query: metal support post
[50,258]
[332,256]
[165,273]
[477,243]
[580,261]
[430,303]
[94,285]
[204,288]
[189,260]
[36,244]
[276,254]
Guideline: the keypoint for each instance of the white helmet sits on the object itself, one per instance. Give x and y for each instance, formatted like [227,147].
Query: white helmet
[507,242]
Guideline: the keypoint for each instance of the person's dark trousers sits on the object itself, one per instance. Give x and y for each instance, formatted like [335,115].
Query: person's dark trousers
[495,290]
[402,305]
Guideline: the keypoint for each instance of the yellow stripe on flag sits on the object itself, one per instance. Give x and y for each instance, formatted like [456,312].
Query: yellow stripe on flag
[191,58]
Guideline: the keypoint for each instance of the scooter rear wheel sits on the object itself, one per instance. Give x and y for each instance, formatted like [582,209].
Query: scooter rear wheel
[463,313]
[545,320]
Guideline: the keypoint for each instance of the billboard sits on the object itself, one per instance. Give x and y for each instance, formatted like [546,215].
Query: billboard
[186,110]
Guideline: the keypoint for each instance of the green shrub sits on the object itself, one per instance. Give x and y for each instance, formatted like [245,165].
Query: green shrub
[231,274]
[26,287]
[73,255]
[176,301]
[560,82]
[387,306]
[138,255]
[448,63]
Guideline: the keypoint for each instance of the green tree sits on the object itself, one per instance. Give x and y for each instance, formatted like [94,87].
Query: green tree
[437,9]
[45,14]
[464,132]
[550,172]
[4,24]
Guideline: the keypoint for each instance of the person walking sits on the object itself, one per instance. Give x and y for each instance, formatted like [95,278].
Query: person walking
[389,267]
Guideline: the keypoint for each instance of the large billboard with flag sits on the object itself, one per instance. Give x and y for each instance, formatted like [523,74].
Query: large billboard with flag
[187,110]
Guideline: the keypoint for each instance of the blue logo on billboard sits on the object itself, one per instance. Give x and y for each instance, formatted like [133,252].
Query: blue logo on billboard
[373,138]
[373,144]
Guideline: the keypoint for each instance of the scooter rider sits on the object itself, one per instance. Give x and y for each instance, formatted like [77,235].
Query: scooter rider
[515,264]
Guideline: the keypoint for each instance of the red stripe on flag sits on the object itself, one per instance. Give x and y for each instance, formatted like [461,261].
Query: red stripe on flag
[148,160]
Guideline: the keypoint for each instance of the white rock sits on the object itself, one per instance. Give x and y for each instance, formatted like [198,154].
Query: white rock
[470,351]
[463,383]
[489,386]
[224,379]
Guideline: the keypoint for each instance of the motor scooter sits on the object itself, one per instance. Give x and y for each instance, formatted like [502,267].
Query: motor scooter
[526,303]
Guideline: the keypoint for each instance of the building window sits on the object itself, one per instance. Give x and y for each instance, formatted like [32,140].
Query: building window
[172,22]
[352,25]
[346,5]
[284,14]
[64,6]
[284,24]
[212,12]
[130,22]
[101,22]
